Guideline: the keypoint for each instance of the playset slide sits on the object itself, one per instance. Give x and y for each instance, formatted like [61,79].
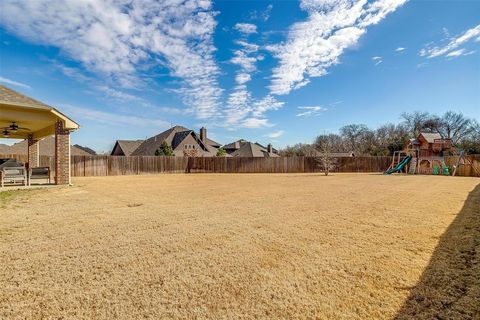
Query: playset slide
[399,166]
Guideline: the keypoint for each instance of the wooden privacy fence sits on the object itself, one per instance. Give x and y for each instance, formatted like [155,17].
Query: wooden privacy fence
[284,164]
[86,166]
[465,170]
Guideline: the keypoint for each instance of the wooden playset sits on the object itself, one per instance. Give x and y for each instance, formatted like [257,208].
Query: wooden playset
[426,155]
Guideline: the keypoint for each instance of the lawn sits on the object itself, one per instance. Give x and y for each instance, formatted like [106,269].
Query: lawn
[276,246]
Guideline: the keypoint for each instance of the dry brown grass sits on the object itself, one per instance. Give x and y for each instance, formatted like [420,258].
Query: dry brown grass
[243,246]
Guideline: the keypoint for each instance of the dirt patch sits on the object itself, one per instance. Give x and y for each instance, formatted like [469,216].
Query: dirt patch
[236,246]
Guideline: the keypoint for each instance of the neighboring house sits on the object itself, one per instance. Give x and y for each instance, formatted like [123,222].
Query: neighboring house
[182,141]
[47,148]
[243,148]
[125,147]
[86,149]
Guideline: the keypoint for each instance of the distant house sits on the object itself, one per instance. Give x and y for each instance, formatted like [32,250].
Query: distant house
[47,148]
[183,142]
[86,149]
[243,148]
[125,147]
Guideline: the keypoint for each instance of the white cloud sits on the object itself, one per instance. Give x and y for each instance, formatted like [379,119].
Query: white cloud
[310,111]
[400,49]
[117,94]
[112,38]
[276,134]
[377,60]
[255,123]
[452,45]
[246,28]
[458,53]
[14,83]
[113,118]
[242,110]
[314,45]
[268,103]
[263,15]
[268,11]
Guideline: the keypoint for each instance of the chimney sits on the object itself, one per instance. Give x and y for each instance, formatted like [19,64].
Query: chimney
[269,148]
[203,135]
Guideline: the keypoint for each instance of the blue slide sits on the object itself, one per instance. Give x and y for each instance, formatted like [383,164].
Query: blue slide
[399,166]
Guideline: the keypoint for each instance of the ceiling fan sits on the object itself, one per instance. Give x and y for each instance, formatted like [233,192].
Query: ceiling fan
[13,127]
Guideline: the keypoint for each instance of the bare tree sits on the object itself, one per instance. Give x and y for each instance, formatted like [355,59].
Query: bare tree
[299,149]
[325,159]
[353,134]
[418,121]
[455,126]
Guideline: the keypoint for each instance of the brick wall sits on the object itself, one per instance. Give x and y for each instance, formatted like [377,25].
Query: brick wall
[62,154]
[33,152]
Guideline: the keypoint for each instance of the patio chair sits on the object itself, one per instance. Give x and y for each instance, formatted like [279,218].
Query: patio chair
[13,175]
[39,173]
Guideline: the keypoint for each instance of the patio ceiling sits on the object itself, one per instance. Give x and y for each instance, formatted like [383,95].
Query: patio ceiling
[32,117]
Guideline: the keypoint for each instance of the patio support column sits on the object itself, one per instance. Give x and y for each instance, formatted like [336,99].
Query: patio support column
[62,154]
[33,152]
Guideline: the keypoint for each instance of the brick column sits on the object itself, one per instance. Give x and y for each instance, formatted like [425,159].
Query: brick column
[62,154]
[33,152]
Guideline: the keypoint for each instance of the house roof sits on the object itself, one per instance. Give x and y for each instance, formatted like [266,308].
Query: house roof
[38,117]
[46,146]
[249,149]
[178,137]
[212,143]
[234,145]
[430,137]
[273,149]
[10,96]
[173,136]
[127,146]
[86,149]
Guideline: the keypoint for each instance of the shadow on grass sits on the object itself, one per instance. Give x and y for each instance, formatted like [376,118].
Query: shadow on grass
[449,288]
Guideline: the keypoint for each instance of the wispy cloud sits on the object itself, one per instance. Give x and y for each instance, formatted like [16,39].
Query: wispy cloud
[255,123]
[262,15]
[242,109]
[314,45]
[400,49]
[113,118]
[460,52]
[276,134]
[113,38]
[117,94]
[14,83]
[310,111]
[246,28]
[450,49]
[377,60]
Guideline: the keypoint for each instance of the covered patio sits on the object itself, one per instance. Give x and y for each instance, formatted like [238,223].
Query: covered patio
[22,117]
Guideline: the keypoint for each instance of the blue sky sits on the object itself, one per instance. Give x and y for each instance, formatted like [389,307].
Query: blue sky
[267,71]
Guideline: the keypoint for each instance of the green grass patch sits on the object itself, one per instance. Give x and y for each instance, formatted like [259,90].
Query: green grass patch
[5,197]
[8,196]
